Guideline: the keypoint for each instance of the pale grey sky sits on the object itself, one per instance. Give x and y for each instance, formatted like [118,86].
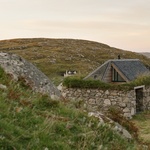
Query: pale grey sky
[122,24]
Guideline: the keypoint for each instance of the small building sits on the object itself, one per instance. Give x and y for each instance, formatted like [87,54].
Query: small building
[119,71]
[70,73]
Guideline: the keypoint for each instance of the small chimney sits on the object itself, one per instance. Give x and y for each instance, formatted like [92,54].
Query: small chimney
[118,56]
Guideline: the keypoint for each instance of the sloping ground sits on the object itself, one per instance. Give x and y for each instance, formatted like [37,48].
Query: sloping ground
[55,56]
[142,121]
[146,54]
[35,122]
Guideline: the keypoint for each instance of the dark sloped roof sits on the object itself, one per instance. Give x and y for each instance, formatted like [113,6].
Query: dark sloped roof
[131,68]
[99,71]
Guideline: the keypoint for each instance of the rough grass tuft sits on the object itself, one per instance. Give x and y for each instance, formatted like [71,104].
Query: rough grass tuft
[117,115]
[34,121]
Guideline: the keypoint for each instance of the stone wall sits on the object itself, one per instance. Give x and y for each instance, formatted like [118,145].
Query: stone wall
[20,68]
[100,100]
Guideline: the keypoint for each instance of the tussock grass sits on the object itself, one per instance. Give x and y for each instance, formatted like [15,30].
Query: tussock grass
[31,120]
[117,115]
[142,121]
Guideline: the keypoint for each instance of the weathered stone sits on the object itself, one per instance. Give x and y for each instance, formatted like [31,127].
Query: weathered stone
[119,99]
[126,100]
[64,94]
[114,93]
[78,90]
[107,92]
[114,103]
[101,100]
[55,97]
[132,111]
[88,91]
[4,87]
[126,110]
[111,97]
[92,101]
[122,105]
[128,105]
[85,95]
[107,102]
[101,91]
[133,102]
[16,66]
[126,134]
[98,94]
[127,115]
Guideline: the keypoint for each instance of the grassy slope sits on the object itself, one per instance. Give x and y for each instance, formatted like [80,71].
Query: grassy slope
[54,56]
[33,121]
[142,121]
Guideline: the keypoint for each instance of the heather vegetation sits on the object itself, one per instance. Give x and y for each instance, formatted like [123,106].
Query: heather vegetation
[55,56]
[31,120]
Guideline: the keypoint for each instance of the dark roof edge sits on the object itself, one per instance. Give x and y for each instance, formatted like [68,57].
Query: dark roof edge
[97,69]
[108,61]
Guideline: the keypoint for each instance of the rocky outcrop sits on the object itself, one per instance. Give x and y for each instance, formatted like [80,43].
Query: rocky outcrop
[114,125]
[20,68]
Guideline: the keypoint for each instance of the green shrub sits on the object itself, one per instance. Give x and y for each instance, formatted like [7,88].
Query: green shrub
[141,80]
[78,82]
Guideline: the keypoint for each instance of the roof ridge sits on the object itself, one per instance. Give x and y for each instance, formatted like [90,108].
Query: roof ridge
[124,59]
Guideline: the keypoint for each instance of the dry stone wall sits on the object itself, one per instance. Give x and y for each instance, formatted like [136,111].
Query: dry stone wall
[20,68]
[101,100]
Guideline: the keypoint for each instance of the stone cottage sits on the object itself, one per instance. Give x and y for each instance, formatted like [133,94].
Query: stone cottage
[116,71]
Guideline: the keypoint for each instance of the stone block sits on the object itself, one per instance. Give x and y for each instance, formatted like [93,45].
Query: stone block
[91,101]
[114,93]
[107,102]
[132,111]
[127,115]
[126,110]
[113,103]
[107,92]
[123,105]
[126,134]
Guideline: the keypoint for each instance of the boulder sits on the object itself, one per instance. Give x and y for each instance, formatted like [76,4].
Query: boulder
[19,68]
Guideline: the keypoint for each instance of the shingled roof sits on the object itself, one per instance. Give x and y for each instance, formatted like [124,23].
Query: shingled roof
[129,69]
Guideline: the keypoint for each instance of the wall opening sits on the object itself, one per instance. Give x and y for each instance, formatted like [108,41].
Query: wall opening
[139,99]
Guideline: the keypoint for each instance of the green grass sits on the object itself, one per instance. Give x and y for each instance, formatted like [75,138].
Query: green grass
[30,121]
[78,82]
[142,121]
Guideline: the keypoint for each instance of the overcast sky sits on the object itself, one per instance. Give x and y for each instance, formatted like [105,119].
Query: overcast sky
[122,24]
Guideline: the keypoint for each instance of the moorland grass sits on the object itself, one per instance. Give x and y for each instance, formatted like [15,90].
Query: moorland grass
[31,120]
[53,56]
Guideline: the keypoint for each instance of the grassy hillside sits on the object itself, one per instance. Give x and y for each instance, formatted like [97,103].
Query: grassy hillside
[55,56]
[147,54]
[34,122]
